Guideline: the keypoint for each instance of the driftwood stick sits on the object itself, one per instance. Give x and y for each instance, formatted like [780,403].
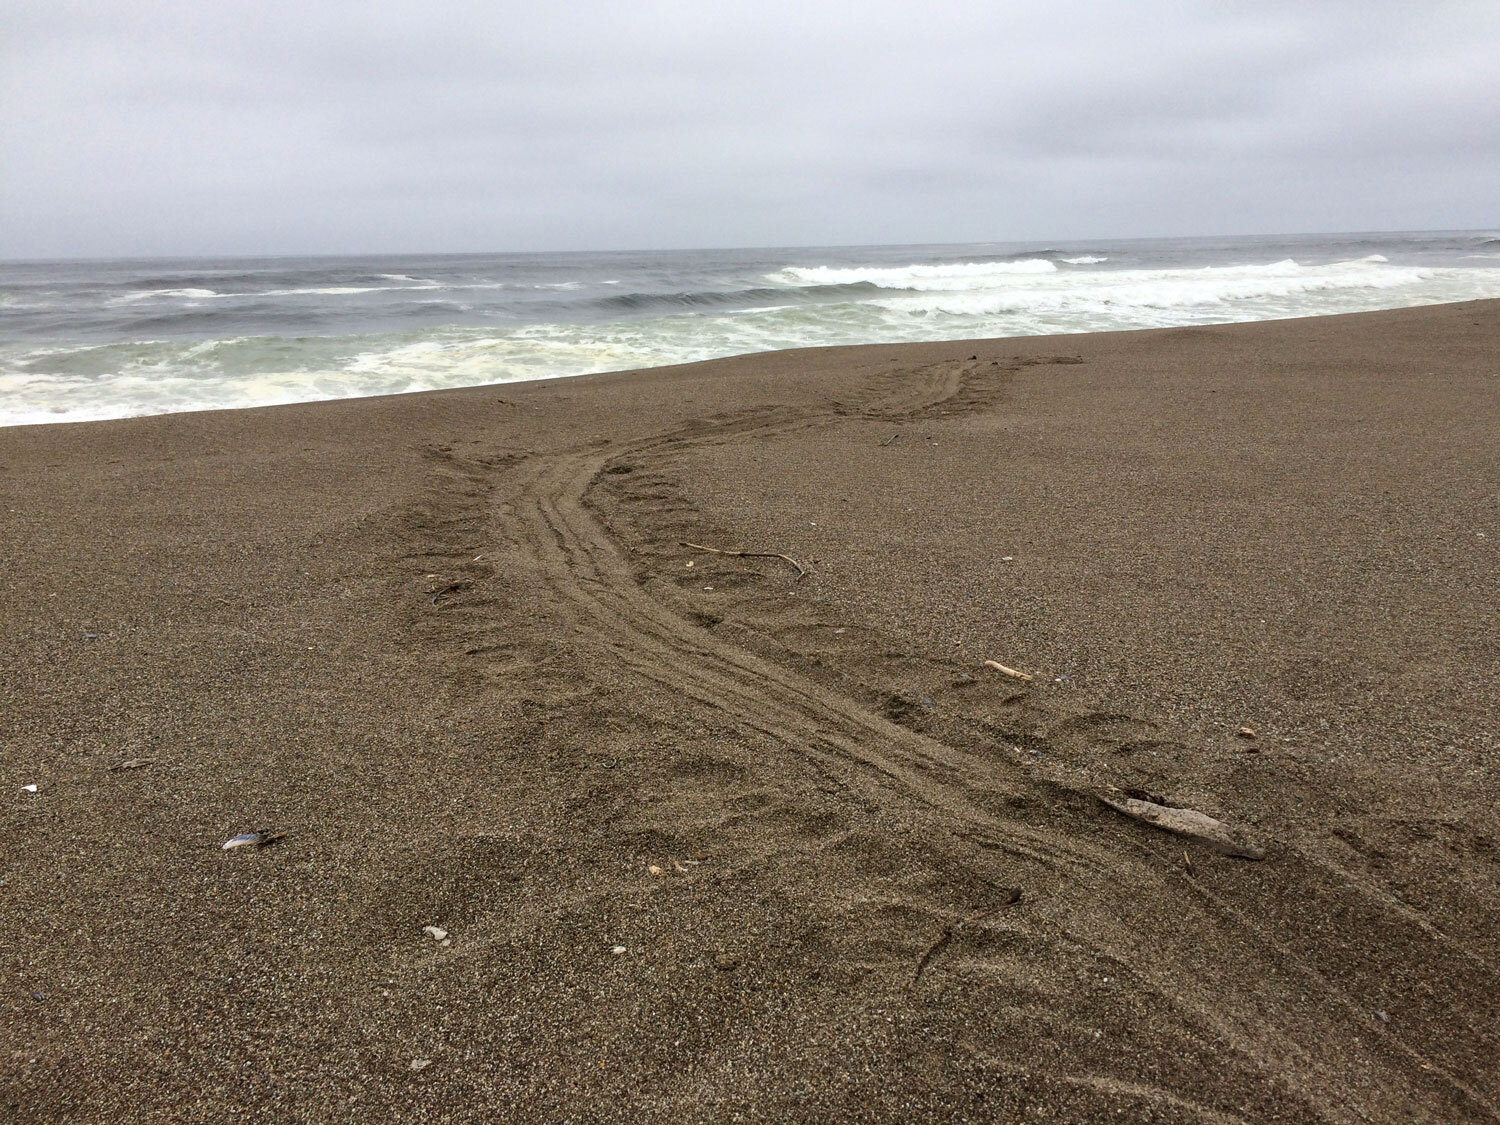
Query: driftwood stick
[801,574]
[1004,671]
[1187,822]
[452,587]
[1011,897]
[932,951]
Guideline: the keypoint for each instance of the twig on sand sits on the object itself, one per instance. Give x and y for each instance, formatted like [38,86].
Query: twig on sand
[932,951]
[1011,896]
[892,440]
[1004,671]
[452,587]
[1187,822]
[801,574]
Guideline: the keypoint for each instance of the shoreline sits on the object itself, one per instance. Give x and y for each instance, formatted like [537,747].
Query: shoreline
[737,357]
[87,343]
[452,645]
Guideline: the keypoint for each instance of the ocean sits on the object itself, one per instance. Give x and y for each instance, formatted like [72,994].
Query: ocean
[86,340]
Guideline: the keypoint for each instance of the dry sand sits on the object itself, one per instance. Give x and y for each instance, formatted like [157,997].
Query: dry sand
[451,645]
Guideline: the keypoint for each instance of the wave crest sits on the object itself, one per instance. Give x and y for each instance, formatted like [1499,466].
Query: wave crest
[955,276]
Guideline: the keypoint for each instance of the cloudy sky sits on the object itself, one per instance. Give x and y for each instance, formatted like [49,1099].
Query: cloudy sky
[142,127]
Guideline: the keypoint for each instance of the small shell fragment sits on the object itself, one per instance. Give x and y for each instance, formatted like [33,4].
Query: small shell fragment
[436,933]
[1004,671]
[260,839]
[617,949]
[1246,732]
[655,870]
[420,1064]
[28,789]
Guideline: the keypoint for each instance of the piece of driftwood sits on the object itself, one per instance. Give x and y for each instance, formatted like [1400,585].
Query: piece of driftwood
[801,574]
[1004,671]
[932,951]
[451,588]
[1011,896]
[1187,822]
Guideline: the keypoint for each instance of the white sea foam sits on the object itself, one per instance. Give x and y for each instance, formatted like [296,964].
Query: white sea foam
[47,381]
[1086,260]
[1124,293]
[192,295]
[340,290]
[158,294]
[954,276]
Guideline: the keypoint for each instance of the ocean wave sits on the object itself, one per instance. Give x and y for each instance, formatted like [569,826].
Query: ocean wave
[715,298]
[951,276]
[1086,260]
[1123,293]
[338,290]
[190,353]
[135,295]
[201,320]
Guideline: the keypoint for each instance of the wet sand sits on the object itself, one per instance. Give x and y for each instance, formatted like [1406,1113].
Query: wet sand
[713,842]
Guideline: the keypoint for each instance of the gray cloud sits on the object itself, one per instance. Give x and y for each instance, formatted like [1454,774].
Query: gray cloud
[160,127]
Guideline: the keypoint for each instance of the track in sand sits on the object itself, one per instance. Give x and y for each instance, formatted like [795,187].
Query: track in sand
[1124,980]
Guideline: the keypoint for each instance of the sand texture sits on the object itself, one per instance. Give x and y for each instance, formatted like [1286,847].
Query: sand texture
[707,840]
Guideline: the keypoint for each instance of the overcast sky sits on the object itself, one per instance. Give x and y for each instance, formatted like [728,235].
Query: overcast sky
[143,127]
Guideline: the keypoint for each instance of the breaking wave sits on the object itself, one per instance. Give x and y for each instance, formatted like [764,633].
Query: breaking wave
[87,341]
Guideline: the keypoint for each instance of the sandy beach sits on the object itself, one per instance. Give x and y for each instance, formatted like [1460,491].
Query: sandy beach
[707,837]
